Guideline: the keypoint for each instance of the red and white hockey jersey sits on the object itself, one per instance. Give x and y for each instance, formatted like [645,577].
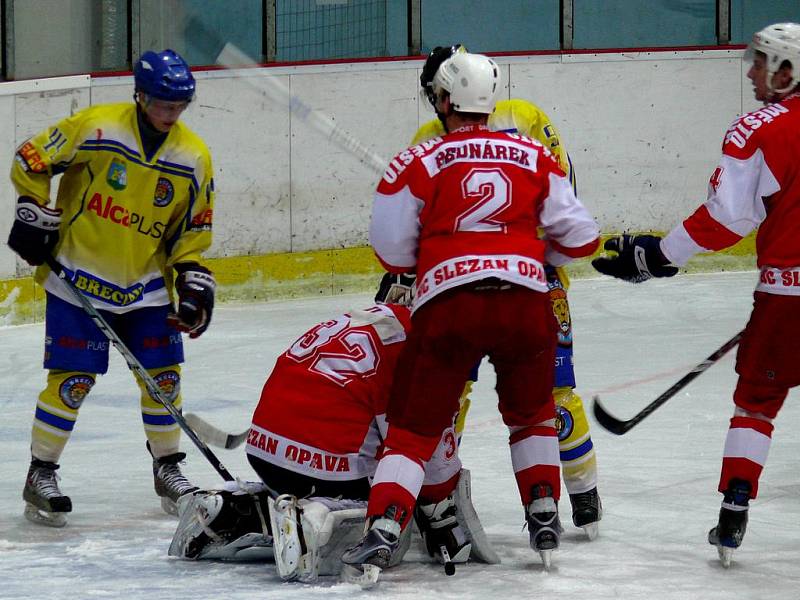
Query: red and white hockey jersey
[322,409]
[756,184]
[468,206]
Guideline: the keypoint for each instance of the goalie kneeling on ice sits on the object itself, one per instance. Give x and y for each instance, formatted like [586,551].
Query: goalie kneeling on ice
[235,523]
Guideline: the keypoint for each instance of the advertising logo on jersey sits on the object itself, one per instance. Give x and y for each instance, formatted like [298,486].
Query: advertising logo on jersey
[118,214]
[202,220]
[165,192]
[169,382]
[106,291]
[117,176]
[29,159]
[74,389]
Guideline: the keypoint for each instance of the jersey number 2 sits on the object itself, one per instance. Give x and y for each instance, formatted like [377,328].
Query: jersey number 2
[488,192]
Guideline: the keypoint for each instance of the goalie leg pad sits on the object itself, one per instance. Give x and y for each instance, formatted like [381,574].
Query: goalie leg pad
[311,535]
[482,550]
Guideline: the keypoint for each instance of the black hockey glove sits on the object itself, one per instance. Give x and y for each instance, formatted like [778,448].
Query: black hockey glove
[396,288]
[195,286]
[638,258]
[34,233]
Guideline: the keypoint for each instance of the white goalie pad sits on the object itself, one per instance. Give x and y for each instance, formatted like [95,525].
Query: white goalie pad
[311,535]
[466,516]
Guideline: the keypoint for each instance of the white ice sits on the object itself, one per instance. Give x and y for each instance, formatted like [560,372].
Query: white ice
[658,482]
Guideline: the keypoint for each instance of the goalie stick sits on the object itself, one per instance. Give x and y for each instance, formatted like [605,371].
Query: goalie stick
[136,366]
[619,427]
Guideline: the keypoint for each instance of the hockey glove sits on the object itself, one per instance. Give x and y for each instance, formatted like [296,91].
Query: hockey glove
[34,233]
[638,258]
[396,288]
[195,286]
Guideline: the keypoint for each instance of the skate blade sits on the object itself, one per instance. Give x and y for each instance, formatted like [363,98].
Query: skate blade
[725,555]
[547,558]
[42,517]
[592,530]
[169,506]
[365,576]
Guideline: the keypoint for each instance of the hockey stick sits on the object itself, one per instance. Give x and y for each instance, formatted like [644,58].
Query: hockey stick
[136,366]
[270,86]
[619,427]
[214,436]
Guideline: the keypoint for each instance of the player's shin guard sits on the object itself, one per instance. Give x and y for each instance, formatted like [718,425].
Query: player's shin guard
[746,449]
[163,433]
[576,449]
[578,460]
[57,411]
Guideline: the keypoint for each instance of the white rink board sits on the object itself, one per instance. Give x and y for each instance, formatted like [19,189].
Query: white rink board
[643,130]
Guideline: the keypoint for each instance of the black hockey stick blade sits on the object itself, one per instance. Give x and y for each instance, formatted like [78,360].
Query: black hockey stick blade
[618,426]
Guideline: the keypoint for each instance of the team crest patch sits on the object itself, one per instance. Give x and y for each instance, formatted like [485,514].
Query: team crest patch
[117,176]
[74,389]
[165,191]
[565,423]
[170,384]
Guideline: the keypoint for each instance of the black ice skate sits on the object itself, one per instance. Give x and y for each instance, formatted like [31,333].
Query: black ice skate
[587,510]
[375,549]
[169,482]
[544,525]
[44,502]
[729,532]
[444,537]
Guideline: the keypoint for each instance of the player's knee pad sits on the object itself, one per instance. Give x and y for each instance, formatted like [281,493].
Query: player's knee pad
[226,524]
[578,460]
[162,431]
[311,535]
[57,411]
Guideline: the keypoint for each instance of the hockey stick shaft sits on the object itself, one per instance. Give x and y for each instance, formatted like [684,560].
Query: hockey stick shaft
[619,427]
[136,366]
[232,57]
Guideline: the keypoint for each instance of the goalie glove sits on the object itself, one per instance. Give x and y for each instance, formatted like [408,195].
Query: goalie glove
[638,258]
[397,288]
[34,233]
[195,286]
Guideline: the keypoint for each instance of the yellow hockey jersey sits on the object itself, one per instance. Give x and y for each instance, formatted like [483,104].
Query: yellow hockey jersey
[514,116]
[127,218]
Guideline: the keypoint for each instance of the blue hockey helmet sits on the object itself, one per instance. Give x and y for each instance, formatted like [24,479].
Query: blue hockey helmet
[164,75]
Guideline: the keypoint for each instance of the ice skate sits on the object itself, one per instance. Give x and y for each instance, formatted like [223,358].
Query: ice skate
[730,530]
[444,537]
[364,561]
[544,525]
[169,482]
[587,510]
[44,502]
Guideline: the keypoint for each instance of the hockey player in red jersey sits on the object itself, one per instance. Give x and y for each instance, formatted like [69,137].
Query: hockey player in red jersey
[462,211]
[315,438]
[756,184]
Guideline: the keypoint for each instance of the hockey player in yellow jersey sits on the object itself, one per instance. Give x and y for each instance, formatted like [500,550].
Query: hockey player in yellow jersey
[578,460]
[131,219]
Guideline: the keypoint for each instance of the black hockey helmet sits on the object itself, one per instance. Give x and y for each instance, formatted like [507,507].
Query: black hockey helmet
[435,59]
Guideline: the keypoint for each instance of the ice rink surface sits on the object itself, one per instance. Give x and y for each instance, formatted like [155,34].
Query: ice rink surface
[657,482]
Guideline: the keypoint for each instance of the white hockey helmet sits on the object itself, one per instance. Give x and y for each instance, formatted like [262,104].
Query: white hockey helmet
[472,80]
[779,42]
